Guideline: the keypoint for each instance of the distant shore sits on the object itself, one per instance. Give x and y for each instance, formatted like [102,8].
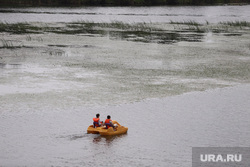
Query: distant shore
[82,3]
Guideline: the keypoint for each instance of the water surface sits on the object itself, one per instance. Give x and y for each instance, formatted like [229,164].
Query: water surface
[212,14]
[171,96]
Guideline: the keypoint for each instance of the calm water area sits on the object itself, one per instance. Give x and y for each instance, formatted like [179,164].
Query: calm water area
[171,96]
[212,14]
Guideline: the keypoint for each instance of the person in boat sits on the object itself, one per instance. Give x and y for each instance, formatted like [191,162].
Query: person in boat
[96,121]
[108,122]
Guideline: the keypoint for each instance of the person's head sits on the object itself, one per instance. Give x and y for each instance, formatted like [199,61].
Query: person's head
[97,115]
[108,117]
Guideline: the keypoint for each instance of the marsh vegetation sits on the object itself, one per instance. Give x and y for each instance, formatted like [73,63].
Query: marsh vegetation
[138,32]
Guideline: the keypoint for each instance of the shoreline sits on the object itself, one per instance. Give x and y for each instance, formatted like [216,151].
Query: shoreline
[17,5]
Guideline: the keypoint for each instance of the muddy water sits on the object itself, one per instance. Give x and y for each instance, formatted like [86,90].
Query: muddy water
[172,97]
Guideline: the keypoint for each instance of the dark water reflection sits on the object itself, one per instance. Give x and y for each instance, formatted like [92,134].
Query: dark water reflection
[108,140]
[161,38]
[96,138]
[10,66]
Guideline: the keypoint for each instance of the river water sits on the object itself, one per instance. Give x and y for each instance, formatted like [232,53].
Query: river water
[212,14]
[172,97]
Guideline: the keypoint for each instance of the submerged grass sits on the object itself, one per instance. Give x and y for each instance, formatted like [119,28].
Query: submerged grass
[191,25]
[190,31]
[190,22]
[19,28]
[28,38]
[137,32]
[6,44]
[114,25]
[237,23]
[222,27]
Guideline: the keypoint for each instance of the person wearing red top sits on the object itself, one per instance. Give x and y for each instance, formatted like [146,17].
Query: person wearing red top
[108,122]
[96,121]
